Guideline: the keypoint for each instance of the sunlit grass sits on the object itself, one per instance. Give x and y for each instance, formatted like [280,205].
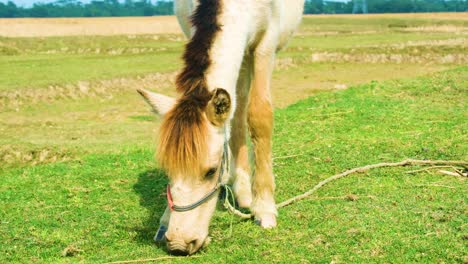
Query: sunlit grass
[107,205]
[77,167]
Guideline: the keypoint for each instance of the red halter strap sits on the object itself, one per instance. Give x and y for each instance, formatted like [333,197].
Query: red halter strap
[170,203]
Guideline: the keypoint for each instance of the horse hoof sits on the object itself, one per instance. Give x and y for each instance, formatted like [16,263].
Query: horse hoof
[266,221]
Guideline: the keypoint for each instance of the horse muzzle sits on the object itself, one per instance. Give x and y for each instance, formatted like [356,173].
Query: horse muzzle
[179,247]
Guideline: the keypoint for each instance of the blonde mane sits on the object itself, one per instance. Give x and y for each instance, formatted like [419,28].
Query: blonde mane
[183,139]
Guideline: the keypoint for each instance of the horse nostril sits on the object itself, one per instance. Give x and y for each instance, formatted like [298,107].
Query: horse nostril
[176,246]
[192,246]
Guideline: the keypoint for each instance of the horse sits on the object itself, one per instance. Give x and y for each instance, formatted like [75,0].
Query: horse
[224,91]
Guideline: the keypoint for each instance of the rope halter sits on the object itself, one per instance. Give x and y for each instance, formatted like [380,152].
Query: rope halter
[223,168]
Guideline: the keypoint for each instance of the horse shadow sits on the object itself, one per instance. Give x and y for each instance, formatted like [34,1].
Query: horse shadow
[151,187]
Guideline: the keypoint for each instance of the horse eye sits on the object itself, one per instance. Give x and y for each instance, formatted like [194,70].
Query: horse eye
[210,172]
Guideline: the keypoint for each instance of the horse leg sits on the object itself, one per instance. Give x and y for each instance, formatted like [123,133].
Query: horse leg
[238,143]
[260,120]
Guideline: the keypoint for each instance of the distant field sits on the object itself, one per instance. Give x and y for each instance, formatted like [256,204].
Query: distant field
[106,26]
[50,74]
[77,170]
[47,27]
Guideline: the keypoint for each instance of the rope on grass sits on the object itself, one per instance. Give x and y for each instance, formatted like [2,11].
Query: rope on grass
[406,162]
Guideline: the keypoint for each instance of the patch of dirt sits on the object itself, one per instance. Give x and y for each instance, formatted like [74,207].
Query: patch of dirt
[460,58]
[462,42]
[387,57]
[285,63]
[47,27]
[441,28]
[332,33]
[11,155]
[15,100]
[71,251]
[111,52]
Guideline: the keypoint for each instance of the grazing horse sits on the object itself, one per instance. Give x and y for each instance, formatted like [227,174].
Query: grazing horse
[224,89]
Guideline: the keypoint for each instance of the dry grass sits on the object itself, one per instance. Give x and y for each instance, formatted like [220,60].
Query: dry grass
[47,27]
[101,111]
[439,28]
[307,80]
[389,58]
[15,100]
[462,42]
[14,155]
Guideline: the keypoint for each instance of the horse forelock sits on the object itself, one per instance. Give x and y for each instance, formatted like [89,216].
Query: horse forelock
[183,138]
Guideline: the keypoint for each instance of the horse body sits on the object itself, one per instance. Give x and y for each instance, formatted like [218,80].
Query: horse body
[249,27]
[225,91]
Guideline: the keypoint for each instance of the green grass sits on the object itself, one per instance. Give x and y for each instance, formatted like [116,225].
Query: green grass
[32,71]
[40,62]
[77,170]
[107,205]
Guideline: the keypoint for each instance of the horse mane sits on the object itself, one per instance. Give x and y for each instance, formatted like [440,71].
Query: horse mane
[183,133]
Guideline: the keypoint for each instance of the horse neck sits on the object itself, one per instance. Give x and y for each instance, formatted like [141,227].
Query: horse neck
[227,51]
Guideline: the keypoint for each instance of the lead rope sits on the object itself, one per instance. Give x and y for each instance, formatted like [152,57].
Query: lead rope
[406,162]
[230,205]
[229,193]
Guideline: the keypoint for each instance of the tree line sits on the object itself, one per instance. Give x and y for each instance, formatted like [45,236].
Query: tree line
[74,8]
[386,6]
[112,8]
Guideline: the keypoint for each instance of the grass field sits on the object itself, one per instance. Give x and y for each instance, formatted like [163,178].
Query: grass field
[78,182]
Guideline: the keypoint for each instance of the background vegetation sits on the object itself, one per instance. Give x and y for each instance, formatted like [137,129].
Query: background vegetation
[386,6]
[78,181]
[110,8]
[74,8]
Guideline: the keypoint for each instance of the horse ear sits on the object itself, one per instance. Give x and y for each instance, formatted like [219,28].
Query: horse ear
[218,107]
[160,104]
